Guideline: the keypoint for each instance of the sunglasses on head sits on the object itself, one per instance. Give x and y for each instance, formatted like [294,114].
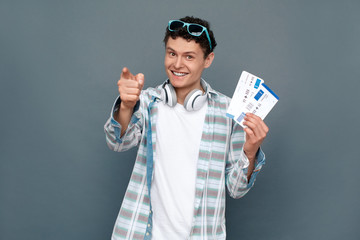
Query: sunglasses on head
[192,28]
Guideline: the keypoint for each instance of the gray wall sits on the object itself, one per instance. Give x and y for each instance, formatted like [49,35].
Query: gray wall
[59,64]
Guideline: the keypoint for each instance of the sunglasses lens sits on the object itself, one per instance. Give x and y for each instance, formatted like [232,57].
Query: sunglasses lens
[195,30]
[176,25]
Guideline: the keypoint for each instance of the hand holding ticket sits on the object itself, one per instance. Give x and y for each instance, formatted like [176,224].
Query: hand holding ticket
[251,95]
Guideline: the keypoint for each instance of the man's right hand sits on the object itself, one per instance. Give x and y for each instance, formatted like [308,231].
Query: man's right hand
[130,87]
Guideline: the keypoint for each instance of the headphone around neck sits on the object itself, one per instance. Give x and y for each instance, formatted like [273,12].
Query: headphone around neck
[193,101]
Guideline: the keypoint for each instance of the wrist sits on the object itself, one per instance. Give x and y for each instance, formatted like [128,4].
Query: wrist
[251,155]
[125,107]
[123,110]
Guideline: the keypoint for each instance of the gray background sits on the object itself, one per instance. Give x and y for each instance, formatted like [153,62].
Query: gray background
[59,64]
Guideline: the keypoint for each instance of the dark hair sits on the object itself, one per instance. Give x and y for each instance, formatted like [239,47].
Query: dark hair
[202,40]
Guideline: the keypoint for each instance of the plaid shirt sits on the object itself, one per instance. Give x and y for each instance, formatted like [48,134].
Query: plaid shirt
[221,163]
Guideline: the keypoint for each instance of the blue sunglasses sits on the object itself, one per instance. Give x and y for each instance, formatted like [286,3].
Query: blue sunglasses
[192,28]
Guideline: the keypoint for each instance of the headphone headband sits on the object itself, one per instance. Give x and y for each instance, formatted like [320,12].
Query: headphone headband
[193,101]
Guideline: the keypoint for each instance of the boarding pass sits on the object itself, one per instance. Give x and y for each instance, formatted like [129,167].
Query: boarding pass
[251,95]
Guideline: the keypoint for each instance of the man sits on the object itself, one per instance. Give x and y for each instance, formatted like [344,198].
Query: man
[188,149]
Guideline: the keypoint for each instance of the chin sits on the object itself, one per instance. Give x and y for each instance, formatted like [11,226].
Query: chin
[178,83]
[174,80]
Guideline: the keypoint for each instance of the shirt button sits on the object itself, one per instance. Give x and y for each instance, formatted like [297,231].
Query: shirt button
[147,234]
[149,225]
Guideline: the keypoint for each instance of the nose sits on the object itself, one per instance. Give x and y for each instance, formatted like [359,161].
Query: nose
[178,63]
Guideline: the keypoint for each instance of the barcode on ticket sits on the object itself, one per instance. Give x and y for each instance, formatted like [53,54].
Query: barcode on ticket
[249,106]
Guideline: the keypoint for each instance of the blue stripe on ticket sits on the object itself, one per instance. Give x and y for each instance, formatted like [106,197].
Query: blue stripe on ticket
[270,91]
[241,117]
[257,84]
[258,95]
[229,115]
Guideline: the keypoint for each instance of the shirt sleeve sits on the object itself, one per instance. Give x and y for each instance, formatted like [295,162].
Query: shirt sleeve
[132,134]
[237,165]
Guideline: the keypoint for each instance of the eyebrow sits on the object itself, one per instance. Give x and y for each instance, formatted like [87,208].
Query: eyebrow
[170,49]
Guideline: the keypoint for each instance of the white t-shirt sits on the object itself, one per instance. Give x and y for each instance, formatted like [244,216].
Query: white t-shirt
[178,136]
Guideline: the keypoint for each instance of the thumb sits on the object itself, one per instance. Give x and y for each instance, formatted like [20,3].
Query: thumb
[140,78]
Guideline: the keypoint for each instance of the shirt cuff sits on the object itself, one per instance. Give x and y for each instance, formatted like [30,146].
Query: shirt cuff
[259,161]
[116,124]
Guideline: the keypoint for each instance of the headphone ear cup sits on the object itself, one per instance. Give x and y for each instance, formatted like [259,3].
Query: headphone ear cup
[195,100]
[169,95]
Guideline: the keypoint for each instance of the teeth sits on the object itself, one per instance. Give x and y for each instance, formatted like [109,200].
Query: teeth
[179,74]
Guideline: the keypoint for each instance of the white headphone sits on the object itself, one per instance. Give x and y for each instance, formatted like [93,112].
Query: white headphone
[193,101]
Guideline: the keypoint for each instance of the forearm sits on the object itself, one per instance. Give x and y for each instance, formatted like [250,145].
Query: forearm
[242,171]
[251,166]
[118,138]
[123,116]
[237,180]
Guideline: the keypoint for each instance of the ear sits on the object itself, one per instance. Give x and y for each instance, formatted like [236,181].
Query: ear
[209,59]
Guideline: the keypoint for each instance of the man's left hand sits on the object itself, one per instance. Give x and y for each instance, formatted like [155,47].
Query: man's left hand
[256,131]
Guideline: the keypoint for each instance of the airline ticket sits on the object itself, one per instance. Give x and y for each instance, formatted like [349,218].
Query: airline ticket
[251,95]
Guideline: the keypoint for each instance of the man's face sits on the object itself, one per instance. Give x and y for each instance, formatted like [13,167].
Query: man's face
[184,63]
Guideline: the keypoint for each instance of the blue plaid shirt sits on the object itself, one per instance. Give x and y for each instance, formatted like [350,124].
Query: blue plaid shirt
[221,163]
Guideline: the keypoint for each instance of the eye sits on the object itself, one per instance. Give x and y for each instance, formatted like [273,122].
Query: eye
[172,54]
[189,57]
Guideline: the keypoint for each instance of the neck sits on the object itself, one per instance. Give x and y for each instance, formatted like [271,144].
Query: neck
[182,93]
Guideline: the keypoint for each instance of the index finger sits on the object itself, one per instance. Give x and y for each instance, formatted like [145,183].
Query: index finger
[257,121]
[126,74]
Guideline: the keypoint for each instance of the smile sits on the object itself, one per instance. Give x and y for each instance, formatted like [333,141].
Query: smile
[179,74]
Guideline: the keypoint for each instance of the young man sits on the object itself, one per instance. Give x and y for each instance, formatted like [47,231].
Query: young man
[188,149]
